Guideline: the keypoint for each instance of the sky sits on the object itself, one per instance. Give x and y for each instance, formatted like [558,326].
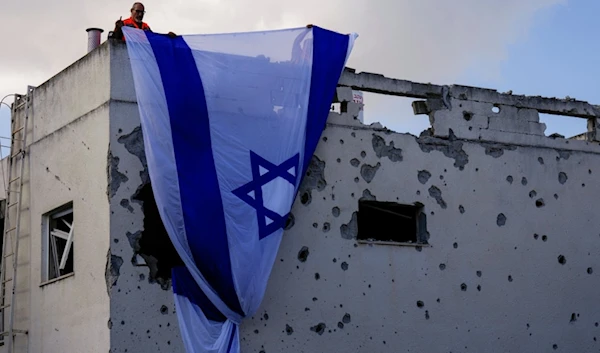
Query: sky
[535,47]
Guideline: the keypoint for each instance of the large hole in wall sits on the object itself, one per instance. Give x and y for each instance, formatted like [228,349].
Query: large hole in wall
[392,222]
[393,112]
[154,244]
[566,126]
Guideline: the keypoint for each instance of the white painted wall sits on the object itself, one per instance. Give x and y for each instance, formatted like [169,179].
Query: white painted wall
[66,162]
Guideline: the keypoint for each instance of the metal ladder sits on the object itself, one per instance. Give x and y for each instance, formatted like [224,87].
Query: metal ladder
[10,245]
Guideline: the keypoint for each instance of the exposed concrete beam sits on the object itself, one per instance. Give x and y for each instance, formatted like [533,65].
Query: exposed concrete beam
[375,83]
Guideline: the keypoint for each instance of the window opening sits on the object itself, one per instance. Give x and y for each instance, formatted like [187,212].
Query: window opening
[58,252]
[392,222]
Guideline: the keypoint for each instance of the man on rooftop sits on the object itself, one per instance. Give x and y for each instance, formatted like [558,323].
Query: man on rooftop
[135,21]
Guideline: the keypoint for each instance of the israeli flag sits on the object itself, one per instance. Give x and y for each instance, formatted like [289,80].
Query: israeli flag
[230,124]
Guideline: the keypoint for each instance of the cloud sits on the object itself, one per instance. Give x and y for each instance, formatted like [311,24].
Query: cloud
[426,40]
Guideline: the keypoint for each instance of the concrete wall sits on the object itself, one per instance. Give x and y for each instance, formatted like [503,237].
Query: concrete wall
[141,300]
[510,265]
[66,162]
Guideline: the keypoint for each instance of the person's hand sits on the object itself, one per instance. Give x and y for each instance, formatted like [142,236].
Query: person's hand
[119,23]
[172,35]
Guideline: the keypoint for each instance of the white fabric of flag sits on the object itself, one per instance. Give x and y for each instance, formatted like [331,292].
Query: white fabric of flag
[230,124]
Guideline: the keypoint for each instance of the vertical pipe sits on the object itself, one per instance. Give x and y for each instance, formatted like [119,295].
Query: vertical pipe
[93,38]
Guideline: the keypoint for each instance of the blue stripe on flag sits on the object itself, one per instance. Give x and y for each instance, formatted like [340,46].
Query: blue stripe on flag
[199,188]
[185,286]
[329,56]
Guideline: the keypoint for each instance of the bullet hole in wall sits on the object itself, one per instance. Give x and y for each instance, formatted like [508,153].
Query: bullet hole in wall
[291,220]
[562,177]
[562,260]
[303,254]
[501,220]
[335,211]
[346,319]
[319,328]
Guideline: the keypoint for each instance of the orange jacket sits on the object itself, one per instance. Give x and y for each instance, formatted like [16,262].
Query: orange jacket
[131,23]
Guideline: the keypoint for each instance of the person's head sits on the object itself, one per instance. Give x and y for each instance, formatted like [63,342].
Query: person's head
[137,12]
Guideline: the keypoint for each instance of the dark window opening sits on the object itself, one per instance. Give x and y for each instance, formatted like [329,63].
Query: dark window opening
[154,244]
[392,222]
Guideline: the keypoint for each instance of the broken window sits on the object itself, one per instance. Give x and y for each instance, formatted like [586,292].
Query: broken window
[392,222]
[57,249]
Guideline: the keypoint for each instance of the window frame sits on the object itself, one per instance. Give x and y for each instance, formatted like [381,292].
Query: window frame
[50,235]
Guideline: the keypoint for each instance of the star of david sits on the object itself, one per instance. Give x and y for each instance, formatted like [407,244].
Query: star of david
[264,172]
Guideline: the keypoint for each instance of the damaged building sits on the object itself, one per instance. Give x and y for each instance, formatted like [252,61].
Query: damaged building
[478,235]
